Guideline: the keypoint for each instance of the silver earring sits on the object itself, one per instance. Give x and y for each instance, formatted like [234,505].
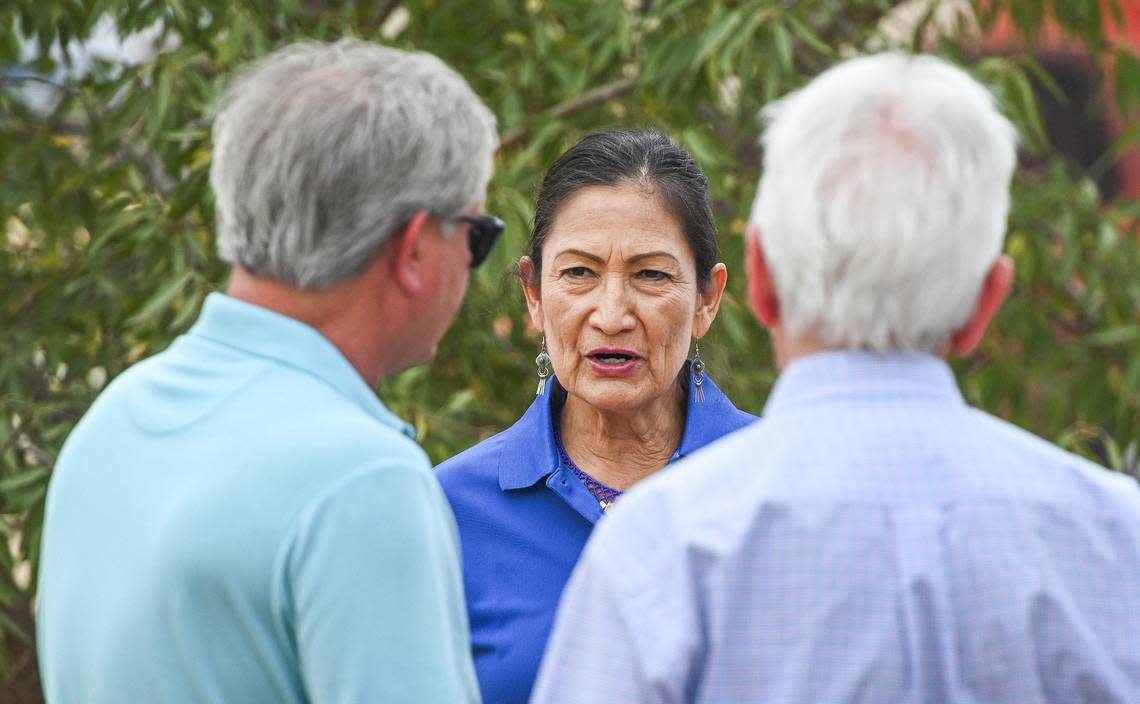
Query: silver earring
[698,370]
[543,363]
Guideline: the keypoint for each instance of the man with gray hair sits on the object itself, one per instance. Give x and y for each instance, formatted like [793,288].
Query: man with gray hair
[872,538]
[239,518]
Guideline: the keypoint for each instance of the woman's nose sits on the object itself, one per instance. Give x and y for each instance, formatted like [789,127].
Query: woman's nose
[614,310]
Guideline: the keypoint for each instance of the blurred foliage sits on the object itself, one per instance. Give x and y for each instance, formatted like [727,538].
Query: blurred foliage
[107,250]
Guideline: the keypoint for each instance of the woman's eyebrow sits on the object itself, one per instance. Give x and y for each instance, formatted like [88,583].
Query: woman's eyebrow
[648,255]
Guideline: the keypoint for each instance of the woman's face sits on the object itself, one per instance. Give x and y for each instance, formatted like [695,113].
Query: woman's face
[617,297]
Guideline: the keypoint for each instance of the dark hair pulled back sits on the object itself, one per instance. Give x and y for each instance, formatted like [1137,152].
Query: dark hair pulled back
[645,158]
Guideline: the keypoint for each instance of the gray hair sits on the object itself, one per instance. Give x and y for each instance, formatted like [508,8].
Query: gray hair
[322,150]
[884,201]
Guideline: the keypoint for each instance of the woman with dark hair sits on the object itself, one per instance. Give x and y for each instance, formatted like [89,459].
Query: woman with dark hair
[622,279]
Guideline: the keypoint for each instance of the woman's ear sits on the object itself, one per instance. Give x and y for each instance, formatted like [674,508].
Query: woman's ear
[532,290]
[710,298]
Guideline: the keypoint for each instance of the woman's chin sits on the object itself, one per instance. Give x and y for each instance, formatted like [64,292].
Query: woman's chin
[615,394]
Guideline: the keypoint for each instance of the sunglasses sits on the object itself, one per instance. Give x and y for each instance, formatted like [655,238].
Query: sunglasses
[482,234]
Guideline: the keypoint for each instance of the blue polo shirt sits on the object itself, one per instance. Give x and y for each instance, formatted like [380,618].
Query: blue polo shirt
[523,519]
[239,519]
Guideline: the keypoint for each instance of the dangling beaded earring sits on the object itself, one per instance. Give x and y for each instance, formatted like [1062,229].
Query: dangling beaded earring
[543,363]
[698,370]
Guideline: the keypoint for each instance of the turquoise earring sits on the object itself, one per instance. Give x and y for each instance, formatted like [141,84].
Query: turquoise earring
[543,363]
[698,370]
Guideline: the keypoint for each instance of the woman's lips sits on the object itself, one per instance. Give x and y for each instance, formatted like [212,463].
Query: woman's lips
[614,364]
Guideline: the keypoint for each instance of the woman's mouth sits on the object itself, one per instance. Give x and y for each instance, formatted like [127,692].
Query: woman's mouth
[613,362]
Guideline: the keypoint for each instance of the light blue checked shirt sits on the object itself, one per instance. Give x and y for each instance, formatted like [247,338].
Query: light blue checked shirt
[871,539]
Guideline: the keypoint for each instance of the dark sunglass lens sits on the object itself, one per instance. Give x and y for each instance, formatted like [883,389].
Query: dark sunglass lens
[481,237]
[475,244]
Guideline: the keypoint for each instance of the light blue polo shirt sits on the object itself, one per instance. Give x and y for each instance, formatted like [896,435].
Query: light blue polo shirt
[239,519]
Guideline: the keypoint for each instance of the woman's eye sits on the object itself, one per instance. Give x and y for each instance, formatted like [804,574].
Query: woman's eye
[576,272]
[653,275]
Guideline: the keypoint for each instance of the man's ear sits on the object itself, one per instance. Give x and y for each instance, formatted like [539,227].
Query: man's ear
[995,289]
[407,254]
[532,290]
[709,302]
[761,288]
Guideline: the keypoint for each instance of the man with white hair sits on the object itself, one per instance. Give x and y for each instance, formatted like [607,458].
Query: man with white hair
[239,518]
[872,538]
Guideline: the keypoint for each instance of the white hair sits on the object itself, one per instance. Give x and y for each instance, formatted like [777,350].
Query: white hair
[883,201]
[322,150]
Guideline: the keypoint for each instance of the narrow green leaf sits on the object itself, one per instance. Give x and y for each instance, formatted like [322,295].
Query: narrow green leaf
[809,37]
[1130,389]
[23,480]
[715,37]
[783,42]
[163,90]
[161,301]
[1123,335]
[1127,81]
[1027,107]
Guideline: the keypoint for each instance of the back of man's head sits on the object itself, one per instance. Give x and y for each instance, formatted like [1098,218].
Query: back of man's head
[883,201]
[321,151]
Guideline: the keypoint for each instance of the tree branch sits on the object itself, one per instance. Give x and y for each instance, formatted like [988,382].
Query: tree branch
[154,171]
[32,78]
[568,107]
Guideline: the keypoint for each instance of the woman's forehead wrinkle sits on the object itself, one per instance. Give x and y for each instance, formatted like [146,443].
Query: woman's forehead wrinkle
[576,252]
[618,229]
[622,252]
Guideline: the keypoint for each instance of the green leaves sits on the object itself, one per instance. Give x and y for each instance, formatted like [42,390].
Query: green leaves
[1009,80]
[21,490]
[161,301]
[106,246]
[1127,65]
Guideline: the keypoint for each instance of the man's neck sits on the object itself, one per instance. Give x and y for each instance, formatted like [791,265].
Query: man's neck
[336,312]
[788,351]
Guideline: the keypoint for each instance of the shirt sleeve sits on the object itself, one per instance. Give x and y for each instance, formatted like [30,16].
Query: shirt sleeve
[627,628]
[375,593]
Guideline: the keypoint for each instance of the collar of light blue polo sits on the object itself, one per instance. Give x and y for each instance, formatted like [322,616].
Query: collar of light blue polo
[849,375]
[530,454]
[264,333]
